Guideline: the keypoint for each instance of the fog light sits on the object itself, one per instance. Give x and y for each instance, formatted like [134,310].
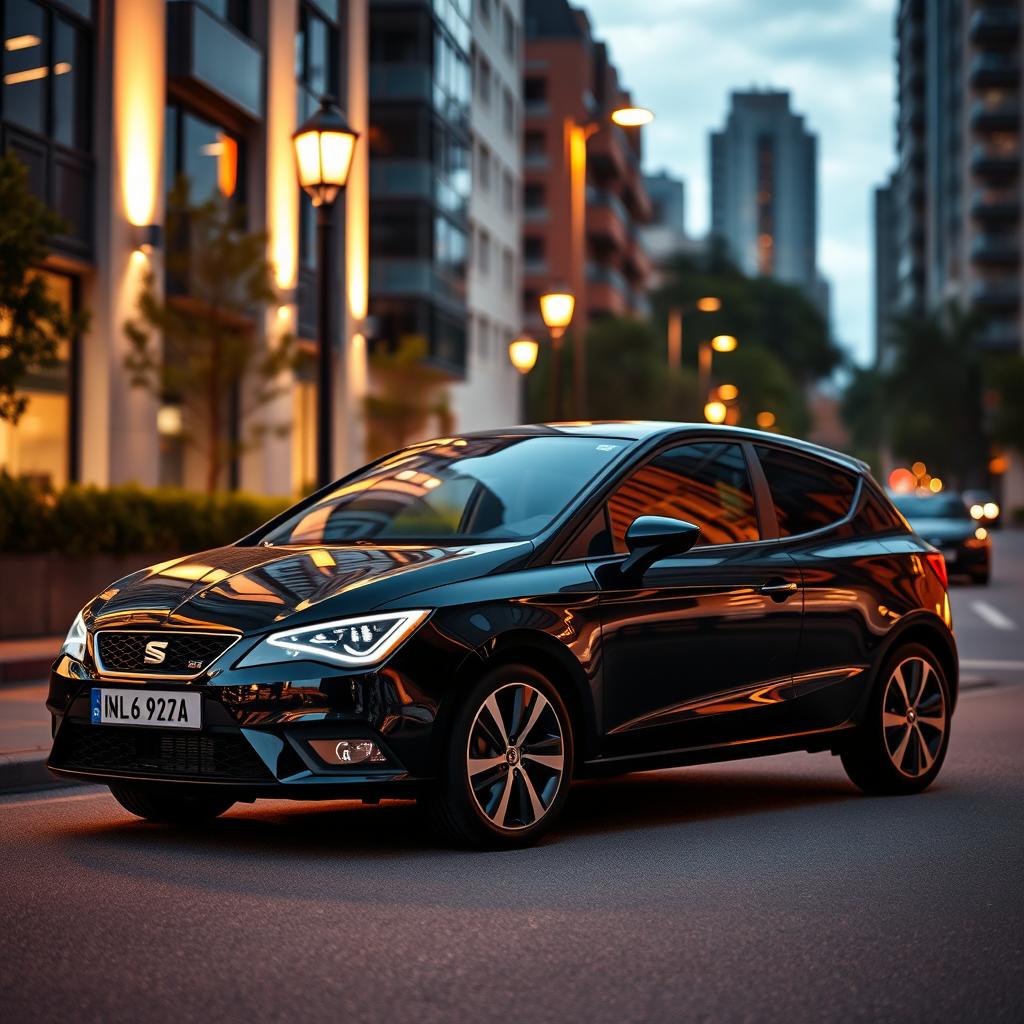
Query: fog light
[348,751]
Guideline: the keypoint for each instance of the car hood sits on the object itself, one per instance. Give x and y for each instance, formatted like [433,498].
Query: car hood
[940,531]
[249,588]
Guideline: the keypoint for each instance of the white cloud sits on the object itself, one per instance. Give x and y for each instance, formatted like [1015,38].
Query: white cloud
[683,57]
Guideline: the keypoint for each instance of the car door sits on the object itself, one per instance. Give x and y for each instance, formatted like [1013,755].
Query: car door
[701,649]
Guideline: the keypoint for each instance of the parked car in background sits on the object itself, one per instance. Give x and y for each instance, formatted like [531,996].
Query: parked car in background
[475,621]
[983,507]
[946,521]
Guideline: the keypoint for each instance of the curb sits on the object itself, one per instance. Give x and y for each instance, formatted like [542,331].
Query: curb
[28,670]
[22,773]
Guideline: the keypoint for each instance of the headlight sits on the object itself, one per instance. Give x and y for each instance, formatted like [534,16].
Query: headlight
[360,641]
[74,642]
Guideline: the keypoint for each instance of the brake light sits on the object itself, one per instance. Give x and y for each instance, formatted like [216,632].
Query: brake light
[938,563]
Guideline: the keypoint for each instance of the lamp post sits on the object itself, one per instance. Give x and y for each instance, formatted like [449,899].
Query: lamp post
[556,308]
[719,343]
[323,155]
[706,304]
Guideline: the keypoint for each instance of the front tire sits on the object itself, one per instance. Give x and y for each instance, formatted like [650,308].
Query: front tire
[508,763]
[177,804]
[901,744]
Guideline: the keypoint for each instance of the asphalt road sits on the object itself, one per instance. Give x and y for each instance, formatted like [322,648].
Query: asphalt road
[761,890]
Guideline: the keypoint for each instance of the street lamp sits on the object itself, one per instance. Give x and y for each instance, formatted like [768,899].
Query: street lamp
[323,156]
[719,343]
[556,308]
[715,412]
[632,117]
[705,304]
[522,353]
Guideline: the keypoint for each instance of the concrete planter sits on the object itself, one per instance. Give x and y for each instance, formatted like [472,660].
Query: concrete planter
[40,594]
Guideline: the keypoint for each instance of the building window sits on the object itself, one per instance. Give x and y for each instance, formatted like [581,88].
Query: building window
[234,12]
[483,252]
[209,157]
[483,81]
[535,143]
[484,168]
[765,205]
[507,269]
[39,446]
[508,35]
[46,74]
[483,338]
[508,189]
[509,115]
[535,90]
[485,11]
[534,197]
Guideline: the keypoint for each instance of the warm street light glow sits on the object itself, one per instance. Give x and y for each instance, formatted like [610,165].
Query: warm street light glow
[728,392]
[632,117]
[919,469]
[709,304]
[523,354]
[981,533]
[991,510]
[29,75]
[723,343]
[766,420]
[20,42]
[977,511]
[935,485]
[715,412]
[556,309]
[323,151]
[901,480]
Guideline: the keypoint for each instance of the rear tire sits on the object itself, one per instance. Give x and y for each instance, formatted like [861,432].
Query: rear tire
[507,767]
[177,804]
[901,744]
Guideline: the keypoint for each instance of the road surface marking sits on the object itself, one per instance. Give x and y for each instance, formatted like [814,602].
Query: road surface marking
[993,616]
[998,666]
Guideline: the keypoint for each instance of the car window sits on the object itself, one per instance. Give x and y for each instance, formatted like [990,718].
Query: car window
[476,488]
[706,484]
[807,494]
[931,506]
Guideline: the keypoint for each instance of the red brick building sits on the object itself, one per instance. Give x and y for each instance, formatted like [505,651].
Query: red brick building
[584,196]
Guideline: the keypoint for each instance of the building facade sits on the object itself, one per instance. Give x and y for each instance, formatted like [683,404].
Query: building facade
[584,198]
[108,103]
[886,283]
[490,395]
[764,189]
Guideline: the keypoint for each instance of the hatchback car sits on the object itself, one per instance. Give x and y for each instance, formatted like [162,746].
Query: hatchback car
[475,621]
[945,521]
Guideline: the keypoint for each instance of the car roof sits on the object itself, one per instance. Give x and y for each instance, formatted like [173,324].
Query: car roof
[647,430]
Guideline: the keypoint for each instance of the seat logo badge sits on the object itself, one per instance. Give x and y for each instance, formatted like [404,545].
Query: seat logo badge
[155,652]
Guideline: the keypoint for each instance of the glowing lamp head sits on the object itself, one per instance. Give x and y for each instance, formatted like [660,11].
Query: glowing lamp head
[323,153]
[724,343]
[632,117]
[523,354]
[556,309]
[766,419]
[709,304]
[728,392]
[715,412]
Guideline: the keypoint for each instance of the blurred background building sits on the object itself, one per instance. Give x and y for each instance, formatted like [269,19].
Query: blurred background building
[107,102]
[764,191]
[664,235]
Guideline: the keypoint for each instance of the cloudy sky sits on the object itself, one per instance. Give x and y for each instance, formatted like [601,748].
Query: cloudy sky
[682,58]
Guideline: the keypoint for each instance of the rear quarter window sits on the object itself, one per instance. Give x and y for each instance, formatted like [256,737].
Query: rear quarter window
[807,494]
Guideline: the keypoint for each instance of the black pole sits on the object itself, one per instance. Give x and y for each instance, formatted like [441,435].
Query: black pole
[325,351]
[556,377]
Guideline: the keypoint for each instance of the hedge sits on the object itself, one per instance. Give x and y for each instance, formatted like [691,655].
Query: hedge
[124,520]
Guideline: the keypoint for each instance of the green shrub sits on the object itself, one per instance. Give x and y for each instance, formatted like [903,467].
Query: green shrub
[124,520]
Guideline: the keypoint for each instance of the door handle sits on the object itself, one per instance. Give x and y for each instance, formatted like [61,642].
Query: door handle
[779,591]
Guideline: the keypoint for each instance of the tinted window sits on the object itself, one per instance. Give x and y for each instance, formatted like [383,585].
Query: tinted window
[875,515]
[807,494]
[485,488]
[706,484]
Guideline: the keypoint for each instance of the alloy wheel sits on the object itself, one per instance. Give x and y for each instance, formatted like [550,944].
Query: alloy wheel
[515,757]
[914,717]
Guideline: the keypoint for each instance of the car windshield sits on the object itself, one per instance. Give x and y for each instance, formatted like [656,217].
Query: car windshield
[942,506]
[461,489]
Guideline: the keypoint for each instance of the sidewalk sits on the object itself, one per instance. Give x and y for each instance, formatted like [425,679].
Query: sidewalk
[24,661]
[24,738]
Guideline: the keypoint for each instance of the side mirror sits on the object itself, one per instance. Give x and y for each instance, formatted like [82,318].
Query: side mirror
[650,538]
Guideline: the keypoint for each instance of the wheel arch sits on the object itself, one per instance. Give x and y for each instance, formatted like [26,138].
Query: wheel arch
[930,632]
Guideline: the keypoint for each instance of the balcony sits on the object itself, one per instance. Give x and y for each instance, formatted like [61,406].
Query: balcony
[997,295]
[206,52]
[994,69]
[399,81]
[996,161]
[1002,205]
[996,27]
[996,250]
[997,116]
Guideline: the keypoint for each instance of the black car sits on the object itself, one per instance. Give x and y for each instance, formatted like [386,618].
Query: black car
[474,621]
[945,521]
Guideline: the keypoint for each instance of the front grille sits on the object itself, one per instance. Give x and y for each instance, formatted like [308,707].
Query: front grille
[158,752]
[159,653]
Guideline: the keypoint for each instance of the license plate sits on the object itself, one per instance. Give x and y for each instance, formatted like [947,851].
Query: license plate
[166,709]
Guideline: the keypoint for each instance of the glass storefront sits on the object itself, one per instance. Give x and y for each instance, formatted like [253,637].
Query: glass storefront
[38,447]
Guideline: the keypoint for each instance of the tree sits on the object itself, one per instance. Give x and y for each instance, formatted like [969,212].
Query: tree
[408,394]
[933,393]
[1008,421]
[220,281]
[32,325]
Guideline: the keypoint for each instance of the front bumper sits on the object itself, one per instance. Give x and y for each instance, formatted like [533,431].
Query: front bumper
[255,739]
